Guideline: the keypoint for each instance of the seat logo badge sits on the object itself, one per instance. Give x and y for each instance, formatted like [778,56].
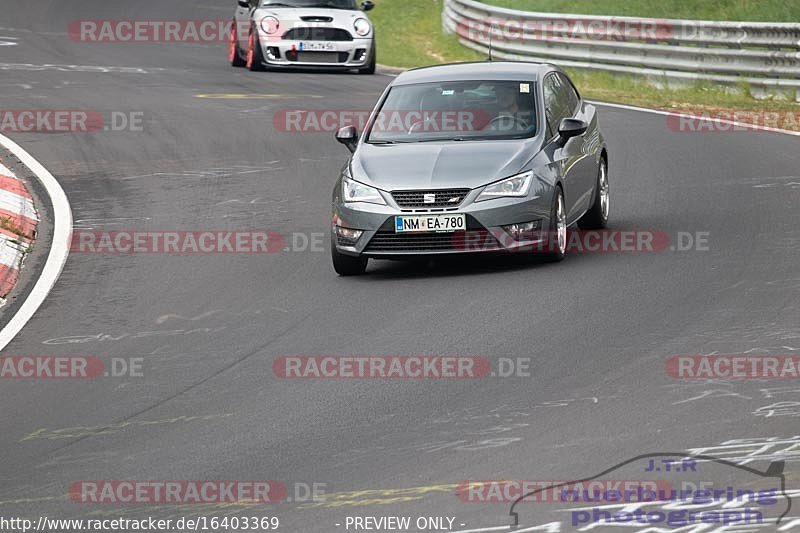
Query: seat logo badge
[429,198]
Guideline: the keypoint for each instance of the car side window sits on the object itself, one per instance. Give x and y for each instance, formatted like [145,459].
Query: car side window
[560,100]
[564,103]
[550,105]
[570,95]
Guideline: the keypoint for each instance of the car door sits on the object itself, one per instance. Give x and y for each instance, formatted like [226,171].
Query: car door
[585,166]
[565,156]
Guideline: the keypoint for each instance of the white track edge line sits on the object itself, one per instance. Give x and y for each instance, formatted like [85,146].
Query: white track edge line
[696,117]
[59,249]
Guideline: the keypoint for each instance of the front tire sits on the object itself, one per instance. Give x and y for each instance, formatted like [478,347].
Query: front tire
[597,216]
[233,48]
[255,58]
[557,234]
[347,265]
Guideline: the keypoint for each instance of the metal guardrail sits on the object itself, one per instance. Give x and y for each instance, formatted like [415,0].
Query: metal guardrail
[764,55]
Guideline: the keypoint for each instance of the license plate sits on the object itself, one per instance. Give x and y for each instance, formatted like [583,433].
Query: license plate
[315,46]
[438,223]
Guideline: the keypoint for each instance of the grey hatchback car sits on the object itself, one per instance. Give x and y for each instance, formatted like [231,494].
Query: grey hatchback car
[470,158]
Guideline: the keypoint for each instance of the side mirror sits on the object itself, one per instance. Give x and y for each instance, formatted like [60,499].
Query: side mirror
[348,136]
[572,127]
[367,5]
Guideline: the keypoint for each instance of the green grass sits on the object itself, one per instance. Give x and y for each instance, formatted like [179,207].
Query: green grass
[742,10]
[409,35]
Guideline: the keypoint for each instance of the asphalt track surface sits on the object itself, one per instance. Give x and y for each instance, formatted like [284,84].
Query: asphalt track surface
[598,328]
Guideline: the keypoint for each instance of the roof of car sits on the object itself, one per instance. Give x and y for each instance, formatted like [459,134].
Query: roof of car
[485,70]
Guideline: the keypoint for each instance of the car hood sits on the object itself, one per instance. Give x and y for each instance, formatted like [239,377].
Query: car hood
[440,165]
[291,17]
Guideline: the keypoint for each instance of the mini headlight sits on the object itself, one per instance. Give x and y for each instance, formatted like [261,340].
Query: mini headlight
[515,186]
[353,191]
[362,27]
[270,25]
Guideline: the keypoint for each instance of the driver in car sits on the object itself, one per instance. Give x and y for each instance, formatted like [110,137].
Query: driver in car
[510,115]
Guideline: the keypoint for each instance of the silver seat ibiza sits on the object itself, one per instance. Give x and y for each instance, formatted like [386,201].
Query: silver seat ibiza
[470,158]
[303,33]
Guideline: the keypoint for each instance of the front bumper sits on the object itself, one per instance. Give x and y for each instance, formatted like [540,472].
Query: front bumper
[279,53]
[484,232]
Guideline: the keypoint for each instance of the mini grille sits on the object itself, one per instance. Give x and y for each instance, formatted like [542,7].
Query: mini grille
[317,34]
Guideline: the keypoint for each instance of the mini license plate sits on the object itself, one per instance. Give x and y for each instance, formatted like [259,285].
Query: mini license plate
[316,47]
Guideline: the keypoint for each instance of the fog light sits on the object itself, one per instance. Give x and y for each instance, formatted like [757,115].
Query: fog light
[524,231]
[347,236]
[361,54]
[273,53]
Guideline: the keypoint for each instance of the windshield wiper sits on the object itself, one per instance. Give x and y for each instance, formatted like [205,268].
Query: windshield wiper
[453,139]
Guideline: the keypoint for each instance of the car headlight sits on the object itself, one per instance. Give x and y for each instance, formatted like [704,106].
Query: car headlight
[362,27]
[515,187]
[270,25]
[353,191]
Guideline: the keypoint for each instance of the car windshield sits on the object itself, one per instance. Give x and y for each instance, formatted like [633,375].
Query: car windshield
[456,111]
[332,4]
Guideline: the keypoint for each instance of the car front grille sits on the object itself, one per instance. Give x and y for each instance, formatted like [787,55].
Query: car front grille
[317,34]
[388,242]
[317,57]
[440,198]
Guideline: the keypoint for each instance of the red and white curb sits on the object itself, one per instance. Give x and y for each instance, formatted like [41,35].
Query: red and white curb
[18,220]
[59,246]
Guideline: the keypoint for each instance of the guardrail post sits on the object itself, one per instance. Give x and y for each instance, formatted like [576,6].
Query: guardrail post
[445,28]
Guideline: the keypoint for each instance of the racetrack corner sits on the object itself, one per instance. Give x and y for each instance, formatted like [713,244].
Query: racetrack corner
[18,223]
[35,231]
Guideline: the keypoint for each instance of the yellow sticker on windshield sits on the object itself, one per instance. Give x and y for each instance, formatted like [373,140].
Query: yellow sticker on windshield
[525,88]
